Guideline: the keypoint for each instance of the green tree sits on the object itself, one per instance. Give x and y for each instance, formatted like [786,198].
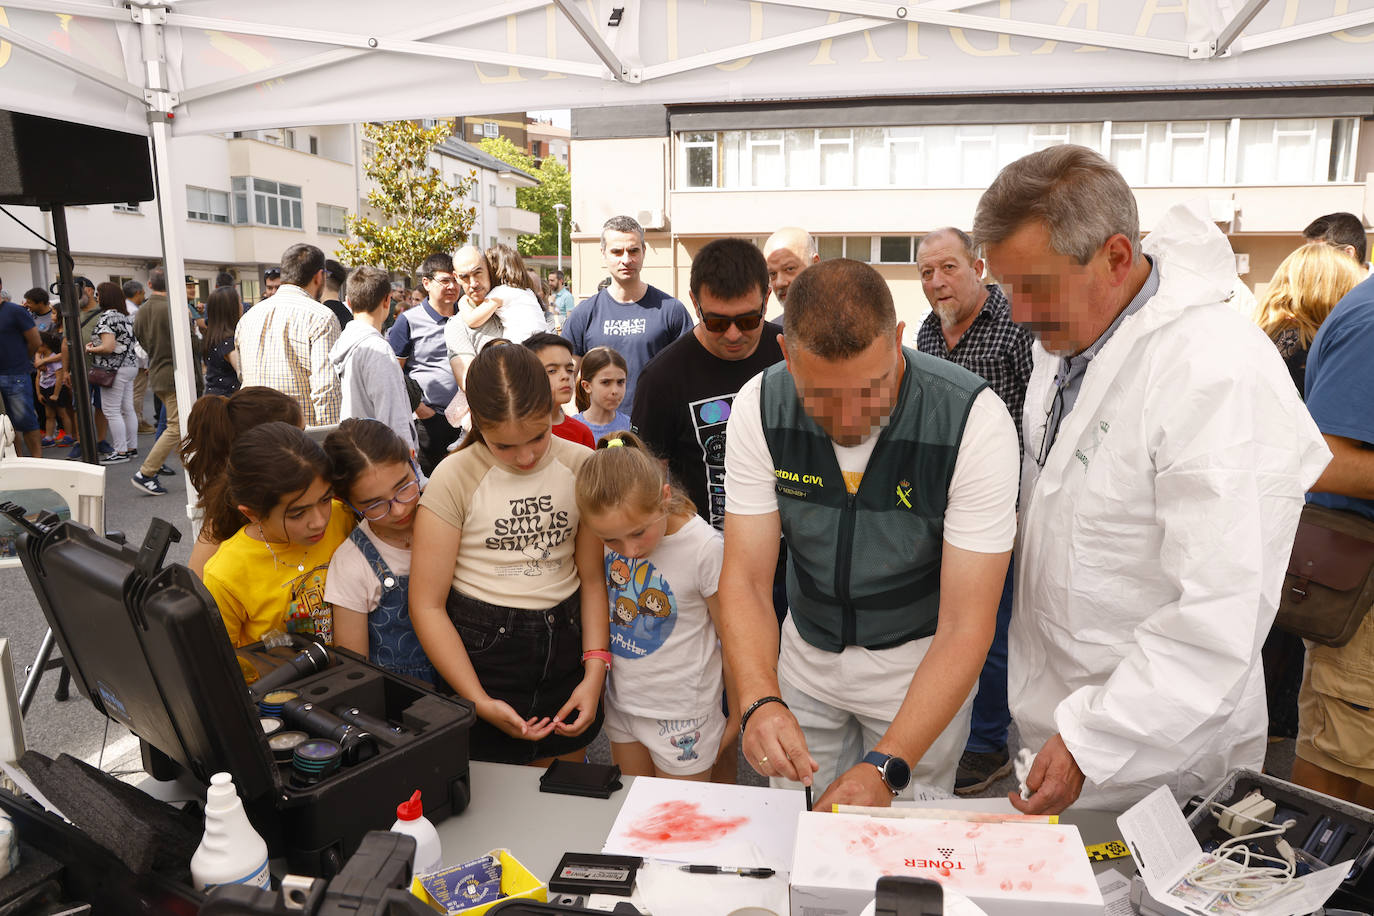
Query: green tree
[420,212]
[555,187]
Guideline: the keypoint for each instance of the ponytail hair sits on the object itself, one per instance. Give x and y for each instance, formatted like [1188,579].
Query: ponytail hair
[269,462]
[215,424]
[624,472]
[358,444]
[505,384]
[597,358]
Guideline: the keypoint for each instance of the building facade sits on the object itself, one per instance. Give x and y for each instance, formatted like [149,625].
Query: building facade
[245,198]
[869,177]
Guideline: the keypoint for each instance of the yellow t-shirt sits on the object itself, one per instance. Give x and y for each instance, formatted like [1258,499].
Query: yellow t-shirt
[518,528]
[257,593]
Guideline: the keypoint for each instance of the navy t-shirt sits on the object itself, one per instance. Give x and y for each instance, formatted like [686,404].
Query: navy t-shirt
[15,321]
[1340,382]
[636,330]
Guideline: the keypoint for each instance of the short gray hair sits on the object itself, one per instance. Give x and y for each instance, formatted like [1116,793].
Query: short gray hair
[969,249]
[621,224]
[132,288]
[1079,196]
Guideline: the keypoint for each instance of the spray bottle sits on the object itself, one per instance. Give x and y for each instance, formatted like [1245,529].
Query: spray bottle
[231,852]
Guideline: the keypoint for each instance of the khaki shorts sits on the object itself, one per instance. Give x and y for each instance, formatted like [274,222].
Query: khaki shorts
[1336,706]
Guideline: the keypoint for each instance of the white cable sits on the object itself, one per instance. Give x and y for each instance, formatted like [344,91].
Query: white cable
[1248,886]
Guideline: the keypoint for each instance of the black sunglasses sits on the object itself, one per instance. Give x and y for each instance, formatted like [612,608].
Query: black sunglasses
[719,324]
[272,273]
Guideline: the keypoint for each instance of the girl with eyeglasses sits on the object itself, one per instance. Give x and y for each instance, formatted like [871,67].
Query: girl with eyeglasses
[369,576]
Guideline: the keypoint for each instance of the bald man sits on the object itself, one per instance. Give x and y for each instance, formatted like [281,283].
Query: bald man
[788,252]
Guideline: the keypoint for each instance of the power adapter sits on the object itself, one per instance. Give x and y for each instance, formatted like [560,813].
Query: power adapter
[1246,815]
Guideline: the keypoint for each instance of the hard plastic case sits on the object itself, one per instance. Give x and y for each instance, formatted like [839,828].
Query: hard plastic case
[146,644]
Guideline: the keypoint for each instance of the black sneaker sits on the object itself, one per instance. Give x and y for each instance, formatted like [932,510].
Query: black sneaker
[978,770]
[166,471]
[149,484]
[113,457]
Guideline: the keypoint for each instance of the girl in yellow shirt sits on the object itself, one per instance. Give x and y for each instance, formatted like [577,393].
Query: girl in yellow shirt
[270,575]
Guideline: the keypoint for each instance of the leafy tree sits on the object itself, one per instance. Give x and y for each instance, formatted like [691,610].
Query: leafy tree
[421,213]
[555,187]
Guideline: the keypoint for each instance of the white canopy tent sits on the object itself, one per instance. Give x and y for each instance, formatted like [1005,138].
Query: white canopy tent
[170,67]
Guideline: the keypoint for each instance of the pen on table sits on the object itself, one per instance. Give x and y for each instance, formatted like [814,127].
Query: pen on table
[808,797]
[727,870]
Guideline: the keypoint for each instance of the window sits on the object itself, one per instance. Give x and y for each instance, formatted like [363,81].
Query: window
[699,153]
[858,247]
[976,149]
[897,249]
[492,241]
[249,290]
[491,129]
[764,158]
[332,220]
[836,149]
[133,207]
[314,145]
[288,139]
[206,206]
[492,187]
[267,203]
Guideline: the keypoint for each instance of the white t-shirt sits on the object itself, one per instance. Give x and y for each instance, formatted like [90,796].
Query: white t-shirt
[667,656]
[980,516]
[519,312]
[351,583]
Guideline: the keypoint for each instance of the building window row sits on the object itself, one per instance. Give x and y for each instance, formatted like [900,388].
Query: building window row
[207,206]
[332,220]
[266,203]
[1239,151]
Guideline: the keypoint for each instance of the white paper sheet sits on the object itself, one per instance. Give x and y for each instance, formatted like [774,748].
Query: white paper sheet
[1116,893]
[690,822]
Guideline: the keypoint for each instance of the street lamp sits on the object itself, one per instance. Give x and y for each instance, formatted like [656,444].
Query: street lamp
[558,209]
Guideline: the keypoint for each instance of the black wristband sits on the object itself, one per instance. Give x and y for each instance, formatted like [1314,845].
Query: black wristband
[761,701]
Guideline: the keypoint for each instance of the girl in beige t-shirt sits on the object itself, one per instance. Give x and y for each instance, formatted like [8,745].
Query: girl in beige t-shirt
[506,591]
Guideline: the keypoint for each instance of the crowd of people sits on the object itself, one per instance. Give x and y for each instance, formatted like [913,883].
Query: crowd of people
[698,529]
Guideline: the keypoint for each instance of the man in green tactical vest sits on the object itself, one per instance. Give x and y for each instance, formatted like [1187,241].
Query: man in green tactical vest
[893,475]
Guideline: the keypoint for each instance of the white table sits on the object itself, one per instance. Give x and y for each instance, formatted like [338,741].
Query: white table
[508,811]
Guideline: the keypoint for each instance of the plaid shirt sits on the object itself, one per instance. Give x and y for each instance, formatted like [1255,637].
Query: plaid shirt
[284,343]
[994,347]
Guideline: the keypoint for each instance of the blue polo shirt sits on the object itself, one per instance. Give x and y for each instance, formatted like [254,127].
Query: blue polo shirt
[1340,382]
[418,338]
[15,321]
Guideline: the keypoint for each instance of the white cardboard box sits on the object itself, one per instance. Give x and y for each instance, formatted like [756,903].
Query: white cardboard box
[1006,869]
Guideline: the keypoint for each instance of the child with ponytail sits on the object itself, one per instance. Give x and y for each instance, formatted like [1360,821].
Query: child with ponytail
[507,596]
[369,576]
[662,563]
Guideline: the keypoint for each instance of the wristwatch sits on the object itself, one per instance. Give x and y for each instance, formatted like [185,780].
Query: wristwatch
[895,771]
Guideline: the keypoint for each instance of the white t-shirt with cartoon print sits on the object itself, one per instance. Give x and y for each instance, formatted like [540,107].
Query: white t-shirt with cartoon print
[667,656]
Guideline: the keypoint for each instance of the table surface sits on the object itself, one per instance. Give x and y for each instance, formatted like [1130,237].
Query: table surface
[508,811]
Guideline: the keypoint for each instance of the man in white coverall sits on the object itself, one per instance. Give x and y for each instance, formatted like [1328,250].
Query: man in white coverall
[1167,454]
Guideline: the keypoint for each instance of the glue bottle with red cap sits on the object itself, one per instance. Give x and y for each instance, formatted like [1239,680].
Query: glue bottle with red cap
[411,820]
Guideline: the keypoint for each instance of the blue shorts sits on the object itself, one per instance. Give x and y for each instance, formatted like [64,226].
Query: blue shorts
[16,391]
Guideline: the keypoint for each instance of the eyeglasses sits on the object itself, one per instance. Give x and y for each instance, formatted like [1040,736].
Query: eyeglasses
[271,273]
[1053,417]
[719,324]
[406,494]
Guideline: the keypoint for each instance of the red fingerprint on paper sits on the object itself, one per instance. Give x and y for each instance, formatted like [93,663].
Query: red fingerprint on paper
[682,822]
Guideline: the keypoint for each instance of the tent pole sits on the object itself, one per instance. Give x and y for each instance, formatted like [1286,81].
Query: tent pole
[76,343]
[160,103]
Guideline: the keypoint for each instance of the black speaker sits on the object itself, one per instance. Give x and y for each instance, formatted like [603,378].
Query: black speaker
[46,161]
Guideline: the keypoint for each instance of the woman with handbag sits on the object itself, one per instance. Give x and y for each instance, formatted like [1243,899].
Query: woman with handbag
[113,367]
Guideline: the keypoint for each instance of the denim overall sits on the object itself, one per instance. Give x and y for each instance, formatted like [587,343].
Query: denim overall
[392,643]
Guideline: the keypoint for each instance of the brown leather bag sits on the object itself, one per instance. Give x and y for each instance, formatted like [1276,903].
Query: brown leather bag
[1330,581]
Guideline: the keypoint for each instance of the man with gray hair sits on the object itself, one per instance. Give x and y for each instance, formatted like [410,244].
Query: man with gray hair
[788,252]
[1168,457]
[629,316]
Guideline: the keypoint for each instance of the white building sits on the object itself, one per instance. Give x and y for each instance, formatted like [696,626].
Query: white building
[247,197]
[869,177]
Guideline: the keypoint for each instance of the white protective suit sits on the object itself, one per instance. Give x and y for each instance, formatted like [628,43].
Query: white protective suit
[1153,544]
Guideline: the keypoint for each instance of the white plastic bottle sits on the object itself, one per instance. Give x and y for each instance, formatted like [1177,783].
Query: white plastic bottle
[411,820]
[231,852]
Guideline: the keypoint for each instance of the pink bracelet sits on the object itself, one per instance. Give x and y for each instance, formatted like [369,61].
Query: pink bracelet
[601,654]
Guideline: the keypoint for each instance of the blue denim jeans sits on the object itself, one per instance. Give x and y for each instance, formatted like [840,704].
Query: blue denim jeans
[991,715]
[16,390]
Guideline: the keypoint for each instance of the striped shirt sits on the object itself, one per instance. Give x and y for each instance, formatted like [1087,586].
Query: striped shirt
[284,343]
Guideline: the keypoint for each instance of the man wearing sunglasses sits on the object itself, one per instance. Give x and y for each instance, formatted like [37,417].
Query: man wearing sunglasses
[271,281]
[685,392]
[892,474]
[629,316]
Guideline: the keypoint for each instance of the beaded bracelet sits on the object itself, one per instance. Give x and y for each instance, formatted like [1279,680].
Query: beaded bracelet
[744,719]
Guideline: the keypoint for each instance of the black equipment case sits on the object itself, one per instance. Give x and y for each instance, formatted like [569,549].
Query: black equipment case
[146,644]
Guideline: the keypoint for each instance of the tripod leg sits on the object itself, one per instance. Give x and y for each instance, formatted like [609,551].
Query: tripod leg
[35,672]
[64,683]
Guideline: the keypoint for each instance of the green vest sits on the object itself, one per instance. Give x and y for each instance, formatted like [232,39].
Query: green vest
[865,569]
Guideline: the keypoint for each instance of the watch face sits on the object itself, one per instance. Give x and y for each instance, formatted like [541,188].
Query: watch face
[897,773]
